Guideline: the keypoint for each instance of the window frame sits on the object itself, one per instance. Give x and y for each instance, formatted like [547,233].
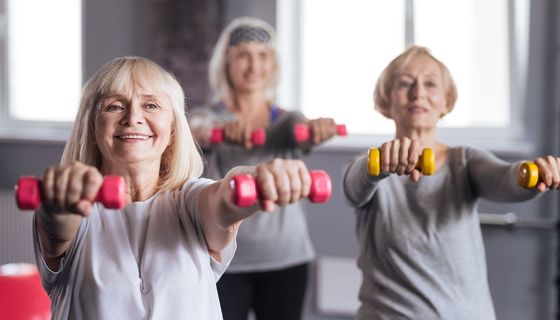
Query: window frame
[510,140]
[17,130]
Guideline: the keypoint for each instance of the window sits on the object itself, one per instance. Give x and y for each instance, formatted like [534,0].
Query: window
[340,47]
[40,46]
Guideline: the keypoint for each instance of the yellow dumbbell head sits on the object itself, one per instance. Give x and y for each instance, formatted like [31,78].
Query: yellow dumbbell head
[528,175]
[373,162]
[428,162]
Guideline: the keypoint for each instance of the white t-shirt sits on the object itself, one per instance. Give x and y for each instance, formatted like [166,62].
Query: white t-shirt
[148,260]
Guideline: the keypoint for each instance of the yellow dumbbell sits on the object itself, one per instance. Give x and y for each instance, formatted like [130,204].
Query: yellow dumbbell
[528,175]
[426,164]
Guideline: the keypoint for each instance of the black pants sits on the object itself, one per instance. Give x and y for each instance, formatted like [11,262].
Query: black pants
[272,294]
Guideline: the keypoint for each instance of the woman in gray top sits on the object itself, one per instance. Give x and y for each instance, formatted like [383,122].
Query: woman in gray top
[269,271]
[421,248]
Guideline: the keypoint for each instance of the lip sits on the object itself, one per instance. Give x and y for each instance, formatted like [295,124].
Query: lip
[132,136]
[417,109]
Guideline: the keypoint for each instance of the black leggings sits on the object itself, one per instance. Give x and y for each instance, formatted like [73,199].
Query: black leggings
[272,294]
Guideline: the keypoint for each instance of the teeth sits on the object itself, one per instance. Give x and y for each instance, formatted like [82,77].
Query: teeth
[133,136]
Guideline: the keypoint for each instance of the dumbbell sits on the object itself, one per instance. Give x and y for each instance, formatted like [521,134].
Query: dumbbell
[112,193]
[258,136]
[302,132]
[426,163]
[528,175]
[245,191]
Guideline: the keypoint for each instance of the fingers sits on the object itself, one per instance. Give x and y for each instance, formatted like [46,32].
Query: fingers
[322,129]
[281,182]
[549,172]
[400,156]
[71,188]
[239,132]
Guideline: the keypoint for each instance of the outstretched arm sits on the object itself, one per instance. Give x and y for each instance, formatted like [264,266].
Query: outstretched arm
[279,181]
[68,194]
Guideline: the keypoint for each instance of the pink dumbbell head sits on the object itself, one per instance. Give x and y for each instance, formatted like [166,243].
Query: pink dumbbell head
[245,191]
[258,136]
[112,193]
[302,132]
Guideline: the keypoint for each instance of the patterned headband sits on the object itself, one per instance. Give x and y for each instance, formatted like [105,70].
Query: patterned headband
[248,34]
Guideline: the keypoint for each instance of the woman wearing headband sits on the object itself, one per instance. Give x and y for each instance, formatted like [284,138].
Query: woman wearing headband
[269,271]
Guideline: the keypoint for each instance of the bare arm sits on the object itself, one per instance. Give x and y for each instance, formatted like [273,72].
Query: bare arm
[68,194]
[279,181]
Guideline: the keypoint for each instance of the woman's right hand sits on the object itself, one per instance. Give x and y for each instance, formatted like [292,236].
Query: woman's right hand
[239,131]
[70,188]
[401,156]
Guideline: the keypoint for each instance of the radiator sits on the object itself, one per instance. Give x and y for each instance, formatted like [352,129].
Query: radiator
[16,239]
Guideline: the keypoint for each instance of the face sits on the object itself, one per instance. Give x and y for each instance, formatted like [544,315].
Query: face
[249,66]
[133,129]
[418,96]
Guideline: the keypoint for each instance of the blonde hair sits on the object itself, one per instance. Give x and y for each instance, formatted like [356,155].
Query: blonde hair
[217,68]
[386,81]
[180,161]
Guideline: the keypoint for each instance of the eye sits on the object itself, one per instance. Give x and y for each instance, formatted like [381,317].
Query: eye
[431,84]
[403,84]
[151,106]
[114,107]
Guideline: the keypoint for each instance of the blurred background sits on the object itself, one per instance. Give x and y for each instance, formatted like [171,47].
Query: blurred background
[504,55]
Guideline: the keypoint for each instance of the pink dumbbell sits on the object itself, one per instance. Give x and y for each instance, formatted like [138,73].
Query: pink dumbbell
[112,193]
[245,192]
[302,132]
[258,136]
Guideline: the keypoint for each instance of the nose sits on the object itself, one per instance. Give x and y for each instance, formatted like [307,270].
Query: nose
[133,115]
[417,91]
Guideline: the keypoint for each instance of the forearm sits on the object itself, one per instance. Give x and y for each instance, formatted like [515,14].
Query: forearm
[219,216]
[56,232]
[358,186]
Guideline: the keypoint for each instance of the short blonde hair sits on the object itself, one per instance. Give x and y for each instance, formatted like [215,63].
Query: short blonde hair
[180,161]
[217,68]
[386,81]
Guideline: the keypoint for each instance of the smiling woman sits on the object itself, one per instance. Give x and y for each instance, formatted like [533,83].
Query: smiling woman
[175,235]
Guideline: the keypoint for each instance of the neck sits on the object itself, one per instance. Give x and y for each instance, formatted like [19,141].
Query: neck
[427,139]
[142,181]
[249,103]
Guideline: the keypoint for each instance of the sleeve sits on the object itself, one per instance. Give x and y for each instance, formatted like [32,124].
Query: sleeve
[358,186]
[494,179]
[192,188]
[51,278]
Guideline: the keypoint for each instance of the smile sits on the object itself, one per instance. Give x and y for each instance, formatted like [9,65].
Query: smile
[133,137]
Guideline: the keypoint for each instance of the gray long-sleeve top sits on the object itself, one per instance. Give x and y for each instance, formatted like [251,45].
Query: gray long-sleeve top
[421,249]
[265,241]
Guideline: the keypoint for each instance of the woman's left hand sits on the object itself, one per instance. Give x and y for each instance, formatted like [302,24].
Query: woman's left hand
[322,129]
[549,172]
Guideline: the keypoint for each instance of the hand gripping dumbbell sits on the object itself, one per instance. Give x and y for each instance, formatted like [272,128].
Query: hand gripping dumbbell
[245,191]
[302,132]
[528,175]
[112,193]
[258,136]
[426,163]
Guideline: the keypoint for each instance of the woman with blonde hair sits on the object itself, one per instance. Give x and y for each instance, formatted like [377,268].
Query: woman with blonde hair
[161,254]
[421,248]
[269,271]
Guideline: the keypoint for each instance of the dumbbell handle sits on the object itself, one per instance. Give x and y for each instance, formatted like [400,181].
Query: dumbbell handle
[112,193]
[426,163]
[302,131]
[528,175]
[258,136]
[245,191]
